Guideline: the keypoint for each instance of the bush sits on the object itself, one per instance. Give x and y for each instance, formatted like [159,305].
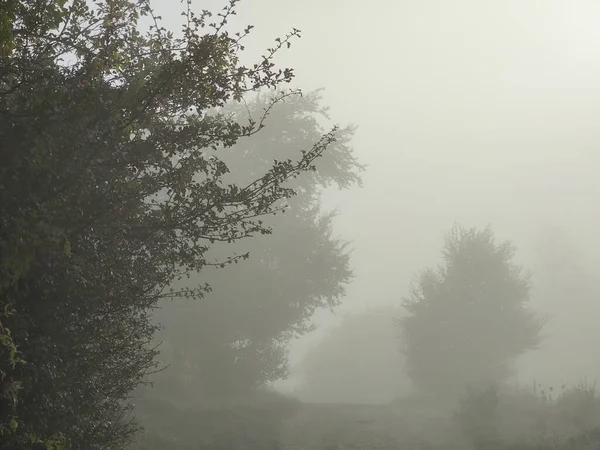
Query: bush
[505,418]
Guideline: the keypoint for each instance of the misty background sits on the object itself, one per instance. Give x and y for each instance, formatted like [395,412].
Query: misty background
[467,111]
[404,257]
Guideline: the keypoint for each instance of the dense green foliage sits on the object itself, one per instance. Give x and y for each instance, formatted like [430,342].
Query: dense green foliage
[468,320]
[108,195]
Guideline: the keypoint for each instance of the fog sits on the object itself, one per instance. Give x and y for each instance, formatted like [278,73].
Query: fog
[471,112]
[476,124]
[481,113]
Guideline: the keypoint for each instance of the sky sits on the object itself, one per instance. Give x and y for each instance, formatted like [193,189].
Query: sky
[471,111]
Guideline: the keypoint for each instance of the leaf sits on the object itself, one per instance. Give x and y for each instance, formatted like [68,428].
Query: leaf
[67,248]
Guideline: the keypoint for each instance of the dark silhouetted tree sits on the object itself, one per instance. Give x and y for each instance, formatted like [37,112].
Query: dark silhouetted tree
[468,319]
[111,187]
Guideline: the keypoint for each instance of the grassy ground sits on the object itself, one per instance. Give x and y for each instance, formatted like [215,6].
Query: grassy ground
[482,421]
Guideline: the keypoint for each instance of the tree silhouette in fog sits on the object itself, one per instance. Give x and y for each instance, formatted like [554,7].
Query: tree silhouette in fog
[222,348]
[468,319]
[236,338]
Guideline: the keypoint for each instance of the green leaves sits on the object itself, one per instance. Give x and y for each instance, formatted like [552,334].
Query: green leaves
[6,30]
[111,188]
[67,249]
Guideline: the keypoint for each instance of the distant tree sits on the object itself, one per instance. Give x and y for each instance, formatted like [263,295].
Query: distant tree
[111,187]
[235,339]
[468,319]
[356,362]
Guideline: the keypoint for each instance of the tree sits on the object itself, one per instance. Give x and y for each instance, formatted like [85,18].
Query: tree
[110,189]
[356,362]
[468,320]
[235,339]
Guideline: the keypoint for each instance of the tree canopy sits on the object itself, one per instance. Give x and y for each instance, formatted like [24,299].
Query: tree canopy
[468,319]
[235,339]
[111,188]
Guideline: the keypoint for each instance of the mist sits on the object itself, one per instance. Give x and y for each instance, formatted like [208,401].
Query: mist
[467,112]
[391,245]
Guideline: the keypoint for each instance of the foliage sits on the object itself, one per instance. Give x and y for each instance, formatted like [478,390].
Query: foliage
[235,339]
[108,194]
[578,408]
[468,320]
[502,418]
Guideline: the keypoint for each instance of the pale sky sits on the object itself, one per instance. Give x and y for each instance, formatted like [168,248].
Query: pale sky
[472,111]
